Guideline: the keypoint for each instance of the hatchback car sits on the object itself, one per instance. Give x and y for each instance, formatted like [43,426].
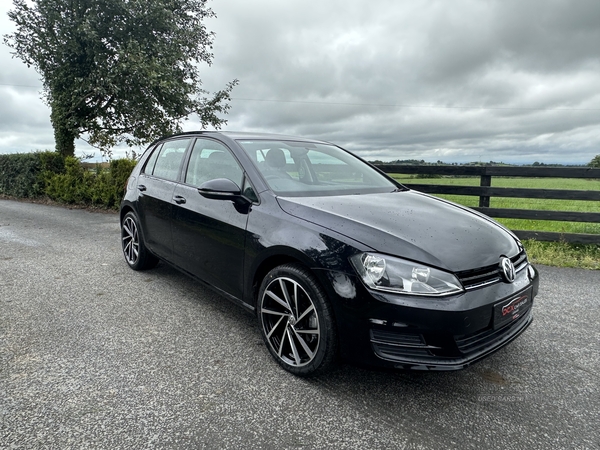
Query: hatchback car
[335,258]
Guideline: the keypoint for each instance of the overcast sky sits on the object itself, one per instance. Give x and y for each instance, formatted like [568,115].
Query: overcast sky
[452,80]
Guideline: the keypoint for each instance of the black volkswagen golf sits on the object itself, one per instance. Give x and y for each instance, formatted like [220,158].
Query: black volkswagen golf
[335,258]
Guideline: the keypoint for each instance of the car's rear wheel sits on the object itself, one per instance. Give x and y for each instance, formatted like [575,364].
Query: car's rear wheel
[136,254]
[296,320]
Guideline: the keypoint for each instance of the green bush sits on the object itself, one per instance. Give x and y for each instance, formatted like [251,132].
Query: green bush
[72,186]
[100,187]
[22,174]
[52,162]
[109,185]
[65,180]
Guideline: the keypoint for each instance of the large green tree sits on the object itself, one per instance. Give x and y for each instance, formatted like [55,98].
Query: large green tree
[595,162]
[118,70]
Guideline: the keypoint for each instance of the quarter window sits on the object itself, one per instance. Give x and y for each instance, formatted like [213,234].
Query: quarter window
[152,161]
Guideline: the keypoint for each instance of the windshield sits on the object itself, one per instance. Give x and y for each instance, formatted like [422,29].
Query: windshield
[305,169]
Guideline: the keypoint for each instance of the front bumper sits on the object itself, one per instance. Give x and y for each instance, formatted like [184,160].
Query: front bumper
[452,353]
[430,334]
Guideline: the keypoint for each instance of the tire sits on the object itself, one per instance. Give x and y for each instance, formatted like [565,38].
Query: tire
[296,321]
[136,254]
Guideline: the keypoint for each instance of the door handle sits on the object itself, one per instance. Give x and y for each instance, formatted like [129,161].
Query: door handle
[141,187]
[179,199]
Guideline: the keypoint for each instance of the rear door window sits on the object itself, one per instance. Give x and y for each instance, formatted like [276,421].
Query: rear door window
[169,159]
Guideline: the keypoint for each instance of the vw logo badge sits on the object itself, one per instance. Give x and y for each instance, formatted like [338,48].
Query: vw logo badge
[508,269]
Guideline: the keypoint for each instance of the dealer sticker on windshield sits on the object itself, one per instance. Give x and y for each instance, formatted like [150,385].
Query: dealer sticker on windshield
[512,309]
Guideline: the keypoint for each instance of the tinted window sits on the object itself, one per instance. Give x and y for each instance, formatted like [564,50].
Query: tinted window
[311,169]
[210,160]
[152,161]
[169,159]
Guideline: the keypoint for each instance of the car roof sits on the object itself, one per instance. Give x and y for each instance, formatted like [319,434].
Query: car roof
[242,135]
[269,136]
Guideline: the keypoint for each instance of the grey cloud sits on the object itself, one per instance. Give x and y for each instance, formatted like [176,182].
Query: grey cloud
[517,64]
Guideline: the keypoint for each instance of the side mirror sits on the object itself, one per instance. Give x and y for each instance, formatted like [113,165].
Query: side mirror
[220,189]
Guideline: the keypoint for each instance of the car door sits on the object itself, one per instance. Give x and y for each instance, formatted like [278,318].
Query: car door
[156,185]
[209,235]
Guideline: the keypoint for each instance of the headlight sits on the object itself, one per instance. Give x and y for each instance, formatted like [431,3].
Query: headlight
[389,274]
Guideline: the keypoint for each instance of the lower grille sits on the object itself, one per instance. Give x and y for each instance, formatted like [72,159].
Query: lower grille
[398,353]
[486,338]
[395,338]
[396,346]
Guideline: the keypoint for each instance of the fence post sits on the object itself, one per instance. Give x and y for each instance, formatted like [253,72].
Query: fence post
[485,181]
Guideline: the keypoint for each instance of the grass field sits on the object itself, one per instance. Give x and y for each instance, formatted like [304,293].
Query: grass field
[559,253]
[526,203]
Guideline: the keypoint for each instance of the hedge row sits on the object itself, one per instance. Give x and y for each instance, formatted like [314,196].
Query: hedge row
[47,174]
[23,175]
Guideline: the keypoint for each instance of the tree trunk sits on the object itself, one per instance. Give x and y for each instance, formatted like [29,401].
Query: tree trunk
[64,136]
[65,141]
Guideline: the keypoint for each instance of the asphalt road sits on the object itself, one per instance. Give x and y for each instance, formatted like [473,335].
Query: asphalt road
[95,355]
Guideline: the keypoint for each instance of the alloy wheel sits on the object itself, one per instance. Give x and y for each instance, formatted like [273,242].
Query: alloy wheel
[131,240]
[290,322]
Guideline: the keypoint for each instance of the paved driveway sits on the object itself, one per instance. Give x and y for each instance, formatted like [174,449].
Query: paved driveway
[95,355]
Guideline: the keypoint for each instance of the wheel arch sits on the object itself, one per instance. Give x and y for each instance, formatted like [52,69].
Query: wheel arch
[124,210]
[266,265]
[276,257]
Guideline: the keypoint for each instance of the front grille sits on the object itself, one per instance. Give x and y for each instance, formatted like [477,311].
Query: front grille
[479,341]
[476,278]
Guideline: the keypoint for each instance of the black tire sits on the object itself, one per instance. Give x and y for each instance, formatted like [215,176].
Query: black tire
[136,254]
[296,321]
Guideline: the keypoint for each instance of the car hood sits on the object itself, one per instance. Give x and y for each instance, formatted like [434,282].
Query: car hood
[411,225]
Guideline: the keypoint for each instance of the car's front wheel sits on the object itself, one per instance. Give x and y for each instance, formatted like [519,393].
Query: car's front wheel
[136,254]
[296,320]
